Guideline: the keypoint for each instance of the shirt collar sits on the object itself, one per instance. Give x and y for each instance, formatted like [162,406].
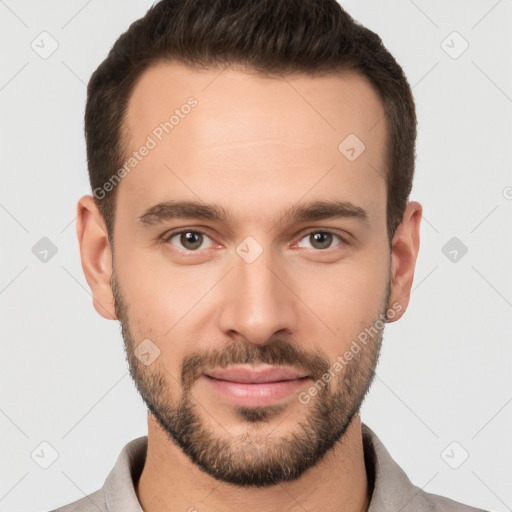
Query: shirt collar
[392,489]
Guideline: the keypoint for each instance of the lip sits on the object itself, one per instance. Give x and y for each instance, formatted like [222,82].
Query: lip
[253,387]
[258,375]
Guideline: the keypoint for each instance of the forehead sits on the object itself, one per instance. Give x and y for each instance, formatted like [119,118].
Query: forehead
[332,103]
[247,133]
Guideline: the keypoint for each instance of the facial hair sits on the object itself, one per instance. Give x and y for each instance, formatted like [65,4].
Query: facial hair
[251,460]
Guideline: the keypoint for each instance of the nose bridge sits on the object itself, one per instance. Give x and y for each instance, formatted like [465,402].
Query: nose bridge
[257,304]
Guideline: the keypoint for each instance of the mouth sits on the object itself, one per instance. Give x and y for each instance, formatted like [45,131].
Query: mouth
[255,386]
[260,375]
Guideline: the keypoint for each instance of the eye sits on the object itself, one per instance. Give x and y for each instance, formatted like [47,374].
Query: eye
[190,240]
[321,239]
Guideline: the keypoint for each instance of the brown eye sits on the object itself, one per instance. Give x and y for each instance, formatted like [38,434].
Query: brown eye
[191,240]
[321,239]
[188,240]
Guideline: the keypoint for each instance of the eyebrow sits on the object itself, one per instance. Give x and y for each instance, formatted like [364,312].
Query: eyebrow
[314,211]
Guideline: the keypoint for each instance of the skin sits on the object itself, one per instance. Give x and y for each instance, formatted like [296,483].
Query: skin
[256,146]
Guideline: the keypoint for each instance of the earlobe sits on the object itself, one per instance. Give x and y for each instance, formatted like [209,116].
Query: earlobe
[404,252]
[96,255]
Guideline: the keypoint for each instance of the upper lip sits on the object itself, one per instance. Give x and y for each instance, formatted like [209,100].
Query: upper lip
[255,375]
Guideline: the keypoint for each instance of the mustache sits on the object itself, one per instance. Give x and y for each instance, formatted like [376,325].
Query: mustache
[277,352]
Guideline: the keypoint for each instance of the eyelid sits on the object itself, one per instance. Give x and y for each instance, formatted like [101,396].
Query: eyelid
[345,238]
[166,237]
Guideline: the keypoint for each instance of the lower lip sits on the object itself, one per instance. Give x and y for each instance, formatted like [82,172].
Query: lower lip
[256,395]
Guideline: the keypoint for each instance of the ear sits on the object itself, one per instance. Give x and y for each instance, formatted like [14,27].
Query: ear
[404,251]
[96,255]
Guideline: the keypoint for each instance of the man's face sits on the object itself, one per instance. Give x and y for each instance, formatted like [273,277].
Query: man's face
[221,299]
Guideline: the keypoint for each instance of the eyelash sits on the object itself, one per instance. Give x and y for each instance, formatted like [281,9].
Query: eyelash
[169,235]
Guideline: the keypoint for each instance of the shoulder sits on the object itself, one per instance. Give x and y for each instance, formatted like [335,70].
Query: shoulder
[118,489]
[392,489]
[438,503]
[94,502]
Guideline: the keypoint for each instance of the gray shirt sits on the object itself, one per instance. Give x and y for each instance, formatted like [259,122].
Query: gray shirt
[392,490]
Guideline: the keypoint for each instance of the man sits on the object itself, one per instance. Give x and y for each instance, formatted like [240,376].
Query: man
[250,228]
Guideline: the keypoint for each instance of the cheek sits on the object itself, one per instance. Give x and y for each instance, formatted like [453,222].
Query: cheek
[344,301]
[164,300]
[174,304]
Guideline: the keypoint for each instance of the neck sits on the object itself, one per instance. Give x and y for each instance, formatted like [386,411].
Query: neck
[170,481]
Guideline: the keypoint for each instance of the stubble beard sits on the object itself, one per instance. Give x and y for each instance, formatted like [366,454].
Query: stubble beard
[254,459]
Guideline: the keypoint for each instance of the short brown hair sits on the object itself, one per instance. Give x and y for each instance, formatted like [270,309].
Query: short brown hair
[272,37]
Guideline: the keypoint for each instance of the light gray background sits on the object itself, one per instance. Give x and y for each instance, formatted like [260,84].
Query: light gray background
[445,369]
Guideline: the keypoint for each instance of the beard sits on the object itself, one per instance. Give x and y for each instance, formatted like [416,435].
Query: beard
[254,459]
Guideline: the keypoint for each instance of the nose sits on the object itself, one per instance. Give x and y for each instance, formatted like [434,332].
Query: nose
[258,302]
